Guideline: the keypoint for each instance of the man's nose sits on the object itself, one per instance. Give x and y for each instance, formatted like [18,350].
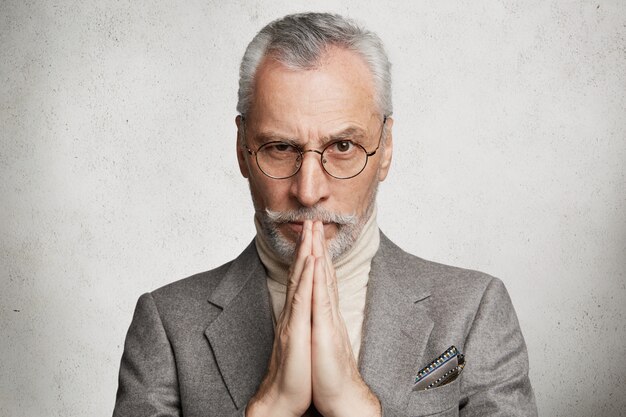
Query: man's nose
[310,185]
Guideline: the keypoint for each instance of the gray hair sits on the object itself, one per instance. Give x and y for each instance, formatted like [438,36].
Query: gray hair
[299,40]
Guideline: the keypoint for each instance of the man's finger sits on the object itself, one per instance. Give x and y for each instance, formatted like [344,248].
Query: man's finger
[327,271]
[319,246]
[302,252]
[300,306]
[320,249]
[322,305]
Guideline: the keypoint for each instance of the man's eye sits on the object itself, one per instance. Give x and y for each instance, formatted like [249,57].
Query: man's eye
[342,146]
[280,147]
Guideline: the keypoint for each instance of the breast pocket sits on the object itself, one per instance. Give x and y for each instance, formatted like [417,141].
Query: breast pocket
[441,401]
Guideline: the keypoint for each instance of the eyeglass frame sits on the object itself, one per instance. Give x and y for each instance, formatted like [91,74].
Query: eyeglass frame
[301,152]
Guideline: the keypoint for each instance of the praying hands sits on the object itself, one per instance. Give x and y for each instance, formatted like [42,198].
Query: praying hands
[312,363]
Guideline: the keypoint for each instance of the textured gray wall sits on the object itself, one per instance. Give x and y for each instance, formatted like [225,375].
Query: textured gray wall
[119,175]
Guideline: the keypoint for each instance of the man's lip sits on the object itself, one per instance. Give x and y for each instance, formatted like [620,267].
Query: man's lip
[300,223]
[297,226]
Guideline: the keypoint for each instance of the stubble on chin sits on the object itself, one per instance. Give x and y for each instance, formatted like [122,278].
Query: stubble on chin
[349,227]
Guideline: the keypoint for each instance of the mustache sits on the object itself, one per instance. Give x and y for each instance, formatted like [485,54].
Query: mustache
[310,213]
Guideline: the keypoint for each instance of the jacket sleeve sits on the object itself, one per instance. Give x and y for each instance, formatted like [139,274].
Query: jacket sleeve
[495,379]
[148,384]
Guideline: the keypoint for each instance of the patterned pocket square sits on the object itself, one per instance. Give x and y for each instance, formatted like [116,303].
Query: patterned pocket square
[443,370]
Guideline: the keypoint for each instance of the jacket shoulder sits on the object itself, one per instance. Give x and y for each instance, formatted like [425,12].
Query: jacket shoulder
[205,285]
[434,277]
[199,285]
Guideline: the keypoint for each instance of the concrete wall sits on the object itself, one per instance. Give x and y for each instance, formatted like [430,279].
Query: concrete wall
[119,174]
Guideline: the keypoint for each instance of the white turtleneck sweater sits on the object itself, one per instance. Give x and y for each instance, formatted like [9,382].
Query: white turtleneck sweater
[352,271]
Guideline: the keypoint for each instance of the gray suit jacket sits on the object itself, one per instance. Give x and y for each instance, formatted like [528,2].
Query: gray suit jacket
[199,347]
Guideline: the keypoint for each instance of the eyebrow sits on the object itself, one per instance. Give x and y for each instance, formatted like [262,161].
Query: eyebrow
[351,133]
[266,137]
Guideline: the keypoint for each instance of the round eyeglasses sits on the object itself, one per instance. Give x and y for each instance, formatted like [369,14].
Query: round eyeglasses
[341,159]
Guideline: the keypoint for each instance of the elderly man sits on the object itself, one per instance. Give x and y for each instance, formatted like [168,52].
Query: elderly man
[322,314]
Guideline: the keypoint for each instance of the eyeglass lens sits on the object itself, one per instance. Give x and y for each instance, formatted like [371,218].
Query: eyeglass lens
[343,159]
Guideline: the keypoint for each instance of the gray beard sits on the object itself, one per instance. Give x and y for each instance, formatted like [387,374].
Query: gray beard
[349,228]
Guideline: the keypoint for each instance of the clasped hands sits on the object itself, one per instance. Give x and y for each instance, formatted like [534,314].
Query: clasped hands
[312,361]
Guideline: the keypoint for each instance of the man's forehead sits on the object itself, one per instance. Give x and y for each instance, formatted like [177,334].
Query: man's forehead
[335,95]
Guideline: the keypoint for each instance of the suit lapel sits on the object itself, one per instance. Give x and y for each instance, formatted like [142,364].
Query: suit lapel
[241,336]
[396,326]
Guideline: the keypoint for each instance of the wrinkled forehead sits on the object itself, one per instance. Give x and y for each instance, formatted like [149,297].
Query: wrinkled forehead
[338,93]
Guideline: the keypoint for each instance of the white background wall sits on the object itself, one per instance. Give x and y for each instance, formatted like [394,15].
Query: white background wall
[118,175]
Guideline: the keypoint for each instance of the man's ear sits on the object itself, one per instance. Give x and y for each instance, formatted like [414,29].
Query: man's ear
[241,151]
[385,162]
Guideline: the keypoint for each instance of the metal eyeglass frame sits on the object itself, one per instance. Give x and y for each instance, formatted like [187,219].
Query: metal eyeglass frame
[321,153]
